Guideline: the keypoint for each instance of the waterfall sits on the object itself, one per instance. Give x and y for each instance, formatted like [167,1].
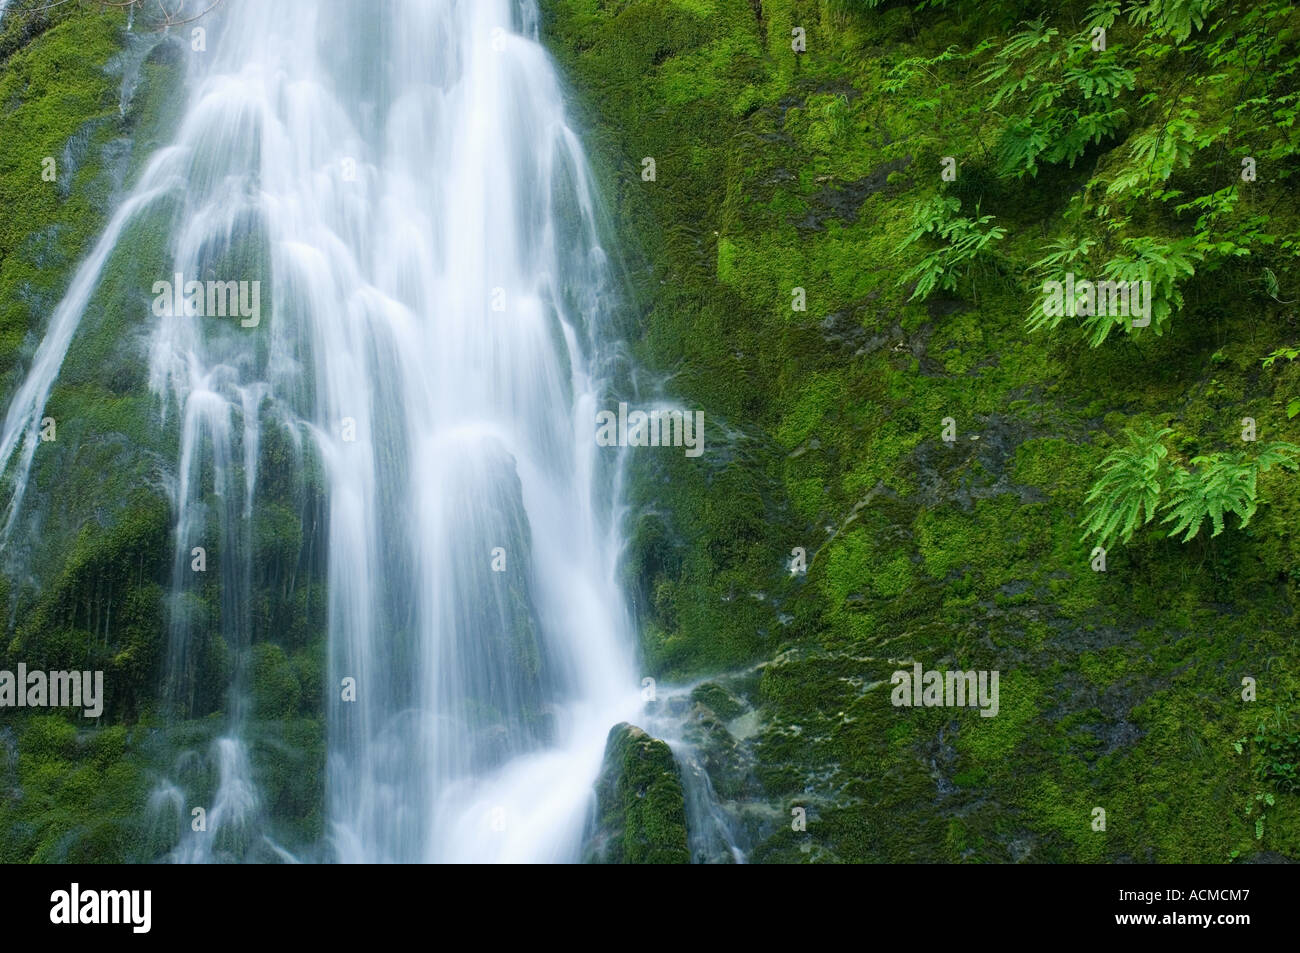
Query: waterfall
[393,196]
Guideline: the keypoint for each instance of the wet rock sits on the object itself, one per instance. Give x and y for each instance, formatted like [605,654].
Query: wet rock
[640,807]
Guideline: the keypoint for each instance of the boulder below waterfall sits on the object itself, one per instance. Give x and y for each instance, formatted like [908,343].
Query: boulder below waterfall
[640,808]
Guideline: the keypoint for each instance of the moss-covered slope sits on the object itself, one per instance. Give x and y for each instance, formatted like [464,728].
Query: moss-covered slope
[838,299]
[786,178]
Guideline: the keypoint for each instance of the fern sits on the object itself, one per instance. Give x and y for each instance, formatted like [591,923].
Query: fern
[1164,265]
[1221,484]
[1152,268]
[966,241]
[1106,78]
[928,82]
[1157,152]
[1127,494]
[1067,96]
[1283,353]
[1136,482]
[1064,254]
[1103,13]
[1178,19]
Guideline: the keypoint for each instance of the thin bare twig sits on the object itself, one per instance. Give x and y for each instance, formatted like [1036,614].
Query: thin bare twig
[169,17]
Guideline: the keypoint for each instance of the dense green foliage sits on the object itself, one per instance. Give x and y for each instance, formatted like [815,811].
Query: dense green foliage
[824,171]
[90,561]
[91,593]
[1133,479]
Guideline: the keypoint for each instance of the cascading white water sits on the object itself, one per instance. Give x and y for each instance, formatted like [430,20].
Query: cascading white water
[400,179]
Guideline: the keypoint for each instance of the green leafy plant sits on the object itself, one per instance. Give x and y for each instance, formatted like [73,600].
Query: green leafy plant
[1263,800]
[1061,95]
[1161,263]
[1286,354]
[1127,494]
[1278,759]
[964,243]
[1273,288]
[1273,751]
[1221,484]
[1178,19]
[1157,152]
[1273,757]
[1150,266]
[1136,482]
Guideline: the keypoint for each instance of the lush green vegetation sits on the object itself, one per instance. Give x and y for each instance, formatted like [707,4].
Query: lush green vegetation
[91,558]
[1127,495]
[825,171]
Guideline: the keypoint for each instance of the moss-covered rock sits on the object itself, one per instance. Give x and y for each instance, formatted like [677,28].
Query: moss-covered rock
[640,808]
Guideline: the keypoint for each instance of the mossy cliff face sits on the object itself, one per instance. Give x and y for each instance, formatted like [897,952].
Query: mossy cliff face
[88,568]
[84,575]
[777,170]
[640,809]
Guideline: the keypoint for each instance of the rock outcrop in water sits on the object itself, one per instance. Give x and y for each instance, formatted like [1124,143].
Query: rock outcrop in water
[640,808]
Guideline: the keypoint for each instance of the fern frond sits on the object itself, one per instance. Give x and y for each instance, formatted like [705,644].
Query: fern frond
[1127,494]
[1220,484]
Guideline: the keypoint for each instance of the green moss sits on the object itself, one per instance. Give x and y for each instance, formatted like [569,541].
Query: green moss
[775,170]
[718,700]
[59,104]
[990,742]
[72,796]
[276,690]
[640,808]
[289,758]
[105,609]
[964,553]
